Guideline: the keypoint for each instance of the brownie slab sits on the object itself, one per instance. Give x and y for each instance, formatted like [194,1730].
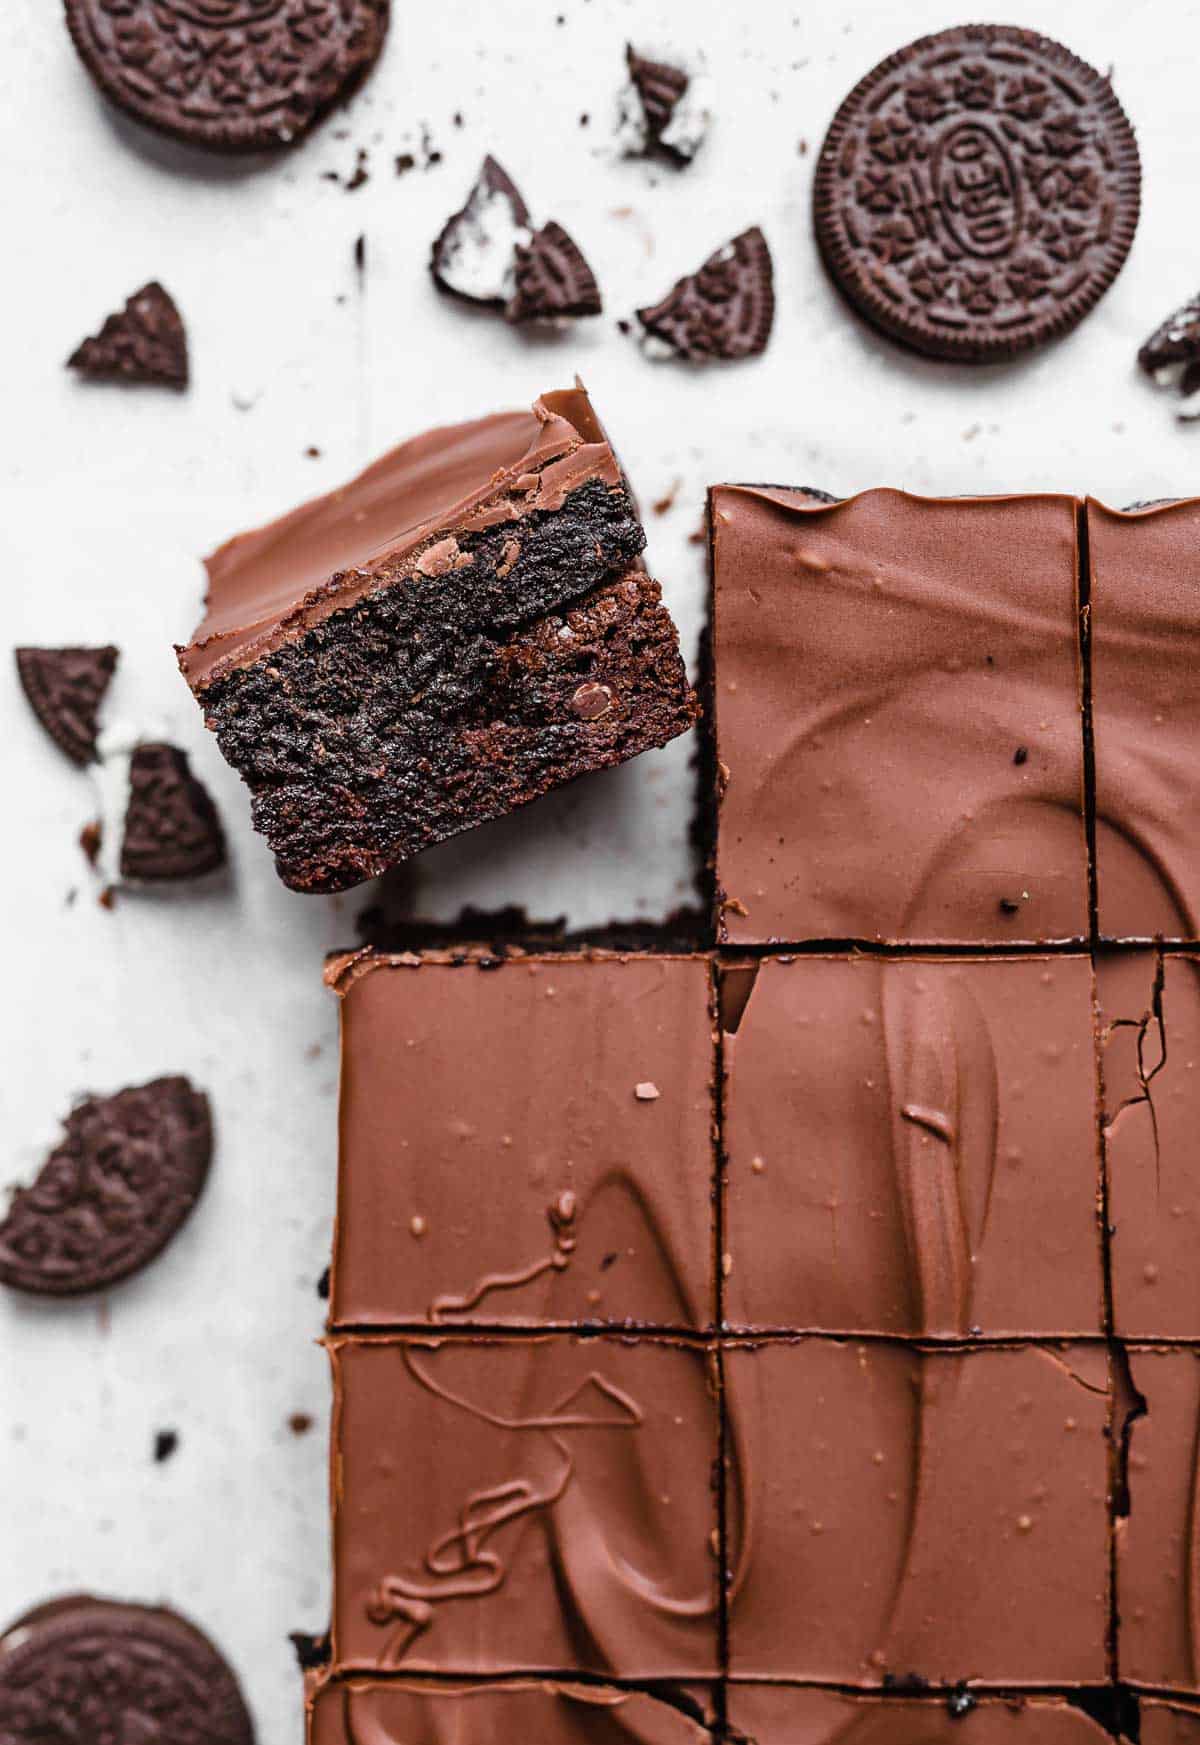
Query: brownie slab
[898,718]
[525,1505]
[1145,614]
[513,1713]
[526,1141]
[1158,1640]
[899,1514]
[461,628]
[780,1714]
[1150,1030]
[912,1148]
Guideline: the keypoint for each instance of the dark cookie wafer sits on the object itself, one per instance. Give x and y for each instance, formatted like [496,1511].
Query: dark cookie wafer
[171,830]
[65,688]
[144,342]
[725,310]
[977,193]
[89,1669]
[231,75]
[552,279]
[115,1189]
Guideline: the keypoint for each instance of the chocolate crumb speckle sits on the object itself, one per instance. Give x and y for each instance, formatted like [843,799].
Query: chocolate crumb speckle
[664,504]
[90,839]
[165,1444]
[1021,754]
[405,161]
[323,1286]
[1008,906]
[312,452]
[300,1423]
[311,1651]
[609,1260]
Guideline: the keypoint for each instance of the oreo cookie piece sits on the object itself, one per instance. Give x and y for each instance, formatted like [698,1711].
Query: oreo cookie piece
[726,310]
[1172,356]
[665,109]
[474,256]
[552,281]
[65,688]
[144,342]
[90,1669]
[229,75]
[489,252]
[172,830]
[112,1193]
[977,193]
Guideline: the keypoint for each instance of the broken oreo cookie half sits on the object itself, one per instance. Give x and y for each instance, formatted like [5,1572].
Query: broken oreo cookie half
[145,342]
[172,830]
[490,252]
[1171,356]
[113,1192]
[665,108]
[725,310]
[64,688]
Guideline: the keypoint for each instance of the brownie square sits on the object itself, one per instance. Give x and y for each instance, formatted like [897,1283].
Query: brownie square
[1150,1030]
[912,1148]
[527,1142]
[896,1514]
[1168,1723]
[1158,1642]
[537,1505]
[782,1714]
[518,1712]
[1145,618]
[898,718]
[463,627]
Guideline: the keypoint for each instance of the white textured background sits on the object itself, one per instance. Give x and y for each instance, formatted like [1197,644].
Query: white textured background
[111,496]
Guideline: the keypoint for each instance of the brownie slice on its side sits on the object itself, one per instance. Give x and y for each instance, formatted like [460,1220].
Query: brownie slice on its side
[463,627]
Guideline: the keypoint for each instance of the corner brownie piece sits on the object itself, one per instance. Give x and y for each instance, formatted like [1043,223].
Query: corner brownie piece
[525,1505]
[901,1514]
[579,1088]
[899,724]
[394,1712]
[463,627]
[1145,616]
[912,1148]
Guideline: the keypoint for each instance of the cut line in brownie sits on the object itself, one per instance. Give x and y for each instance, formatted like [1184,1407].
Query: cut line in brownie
[462,628]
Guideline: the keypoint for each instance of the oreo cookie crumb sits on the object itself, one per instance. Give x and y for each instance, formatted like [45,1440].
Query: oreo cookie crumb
[165,1444]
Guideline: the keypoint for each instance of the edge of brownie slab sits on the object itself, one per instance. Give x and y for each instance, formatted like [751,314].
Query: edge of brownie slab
[361,746]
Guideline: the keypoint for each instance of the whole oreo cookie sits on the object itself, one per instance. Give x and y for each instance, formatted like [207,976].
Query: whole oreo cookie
[977,193]
[112,1193]
[231,75]
[90,1669]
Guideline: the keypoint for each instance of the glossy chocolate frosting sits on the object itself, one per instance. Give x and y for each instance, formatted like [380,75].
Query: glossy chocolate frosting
[1157,1549]
[1168,1723]
[276,581]
[894,1513]
[1145,614]
[912,1148]
[575,1092]
[898,718]
[1150,1026]
[773,1714]
[525,1505]
[518,1712]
